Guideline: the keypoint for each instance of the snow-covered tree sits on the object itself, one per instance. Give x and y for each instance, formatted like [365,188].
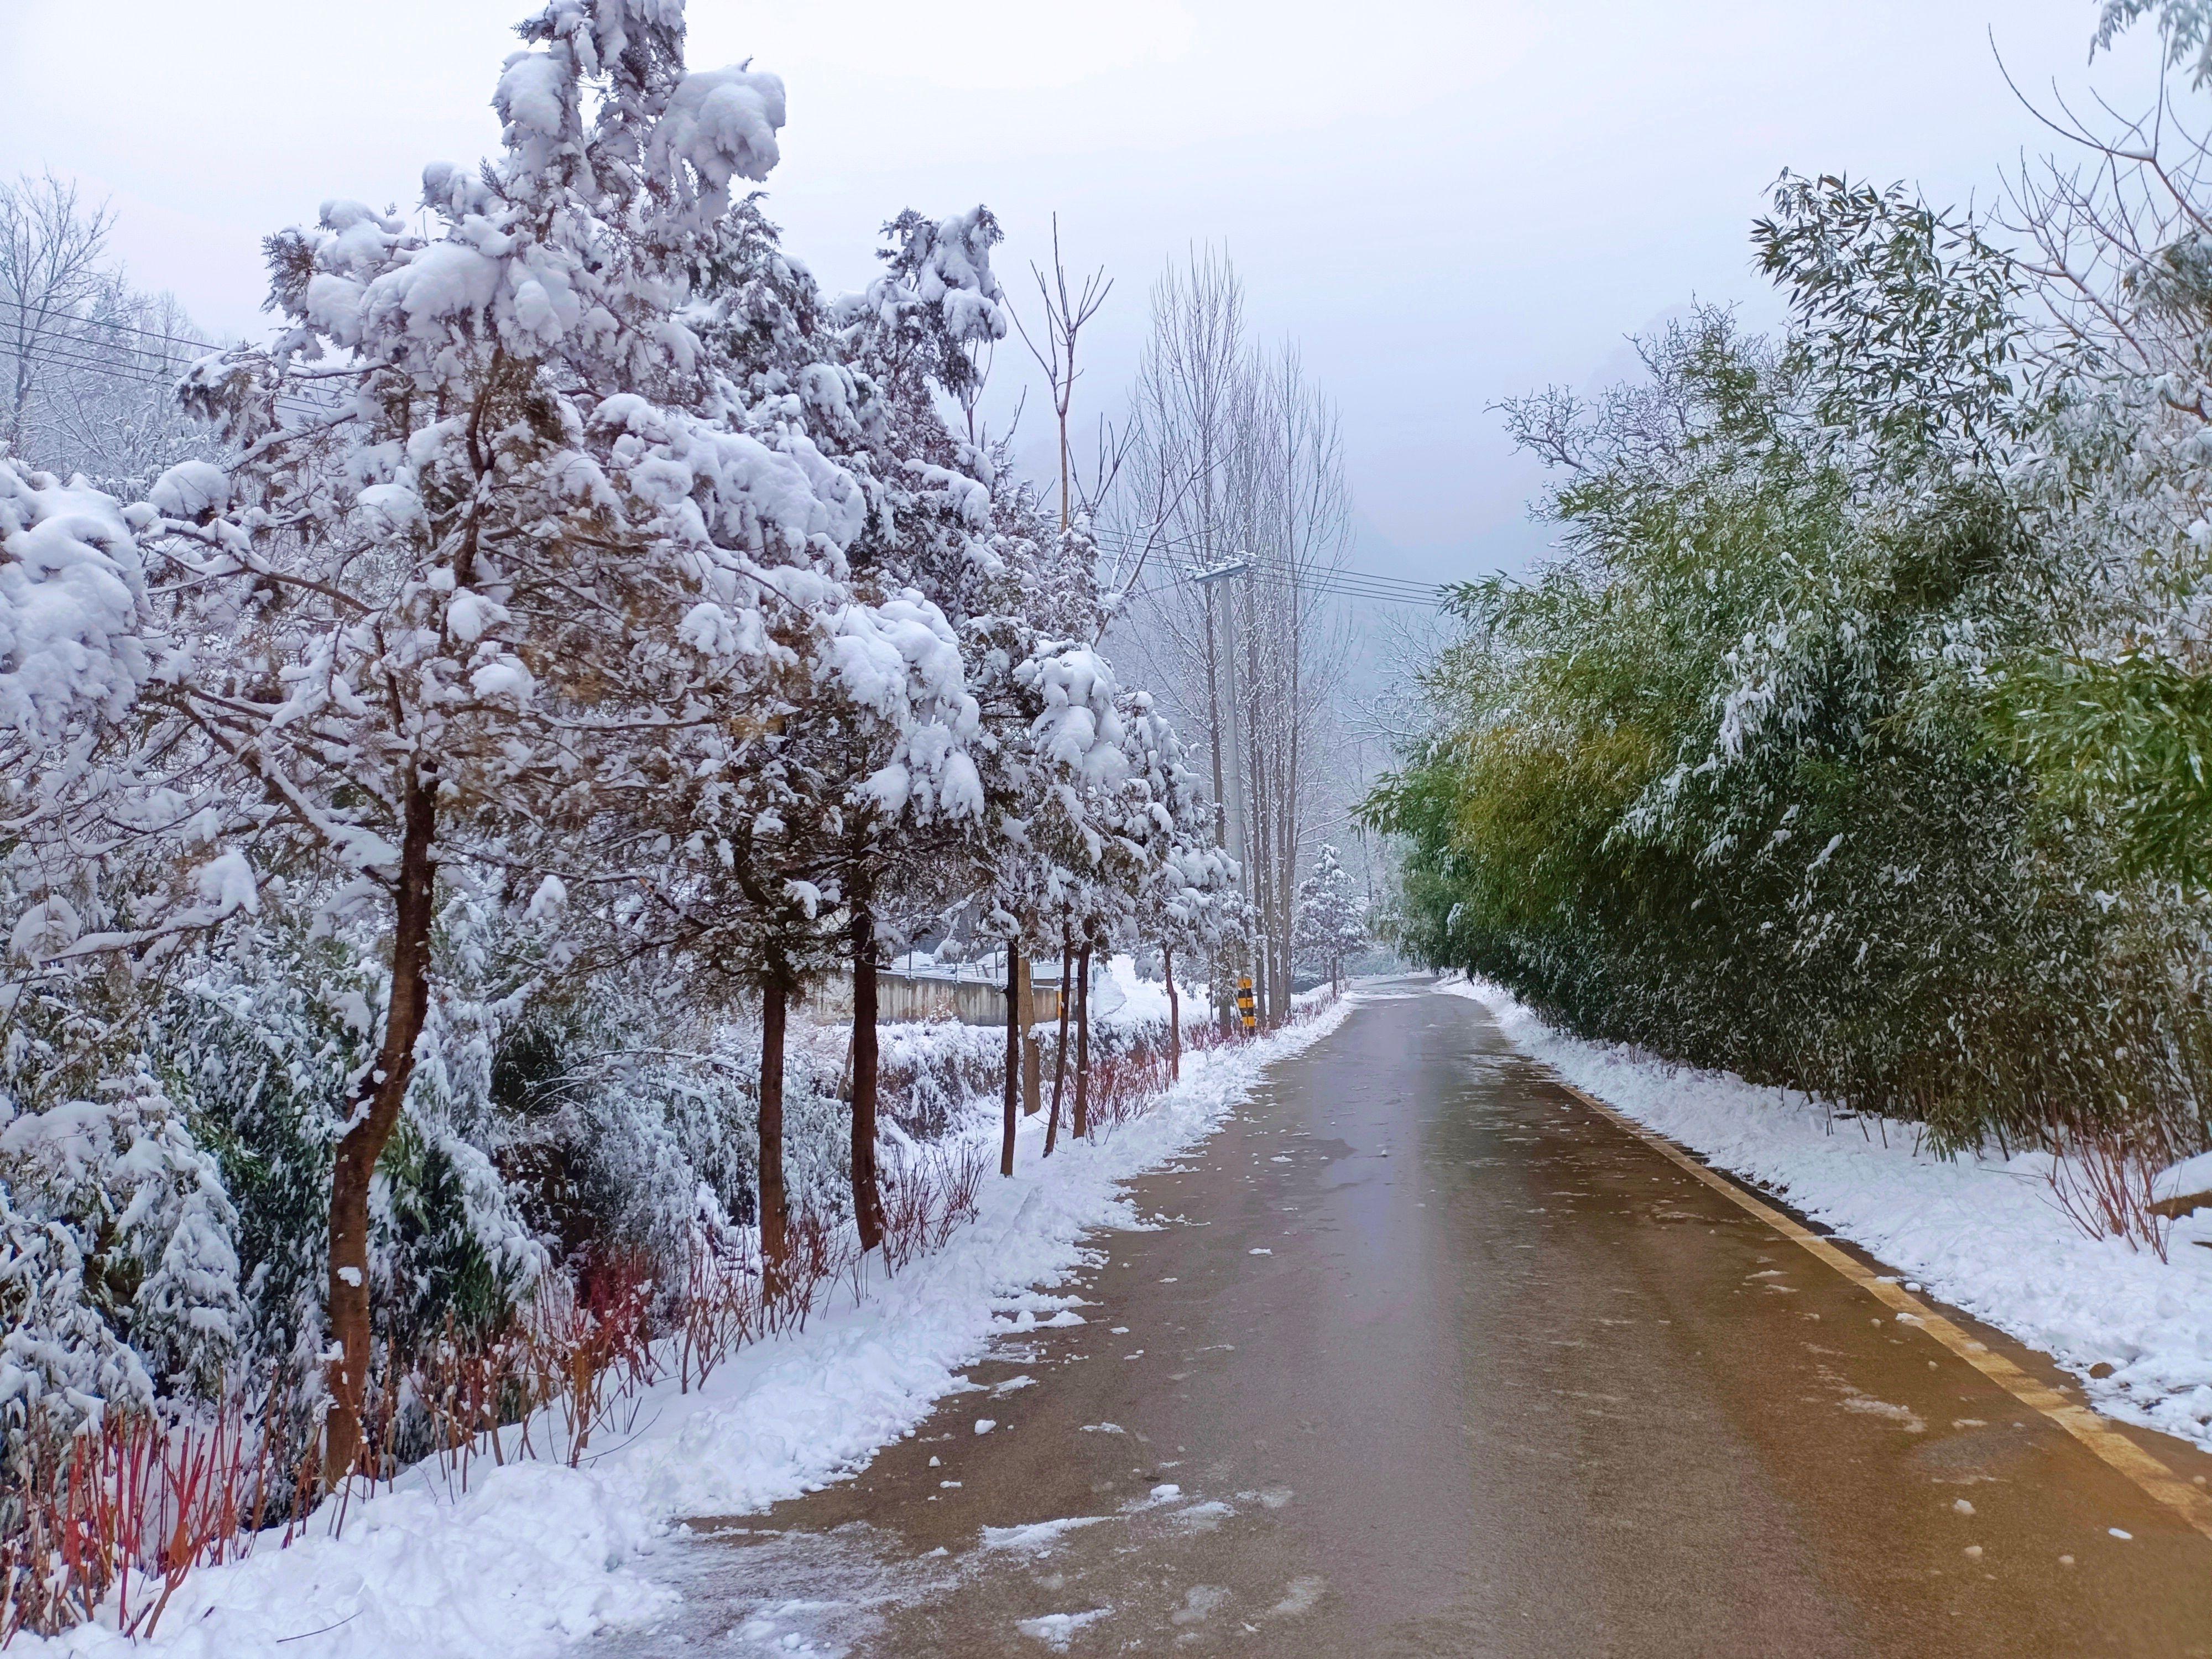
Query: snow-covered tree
[1332,919]
[572,624]
[1068,868]
[1187,899]
[53,253]
[87,363]
[526,550]
[1236,463]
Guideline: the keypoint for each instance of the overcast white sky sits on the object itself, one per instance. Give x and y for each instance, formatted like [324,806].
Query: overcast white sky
[1446,204]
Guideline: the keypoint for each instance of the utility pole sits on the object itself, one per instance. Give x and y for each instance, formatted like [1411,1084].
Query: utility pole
[1229,721]
[1227,724]
[1213,721]
[1224,778]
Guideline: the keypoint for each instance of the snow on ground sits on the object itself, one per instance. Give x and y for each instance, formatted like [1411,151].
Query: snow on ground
[1057,1630]
[537,1555]
[1982,1234]
[1038,1535]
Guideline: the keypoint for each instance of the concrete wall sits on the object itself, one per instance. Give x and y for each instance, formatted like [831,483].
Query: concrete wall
[901,999]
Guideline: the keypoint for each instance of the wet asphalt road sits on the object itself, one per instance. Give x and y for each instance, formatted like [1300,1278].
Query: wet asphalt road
[1429,1358]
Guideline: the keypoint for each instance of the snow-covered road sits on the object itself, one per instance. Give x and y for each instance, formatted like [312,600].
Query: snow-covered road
[1426,1356]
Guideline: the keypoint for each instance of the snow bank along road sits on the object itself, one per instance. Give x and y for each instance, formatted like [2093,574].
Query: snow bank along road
[1427,1356]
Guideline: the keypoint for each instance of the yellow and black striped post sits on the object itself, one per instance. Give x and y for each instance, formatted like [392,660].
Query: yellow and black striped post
[1244,1008]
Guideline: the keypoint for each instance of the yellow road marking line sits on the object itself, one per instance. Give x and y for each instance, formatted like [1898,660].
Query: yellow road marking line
[2190,1502]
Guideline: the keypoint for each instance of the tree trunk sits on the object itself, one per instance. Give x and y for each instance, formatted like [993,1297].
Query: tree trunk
[1032,1087]
[1082,1043]
[1175,1016]
[1059,1057]
[374,1115]
[774,1201]
[867,1198]
[1013,1059]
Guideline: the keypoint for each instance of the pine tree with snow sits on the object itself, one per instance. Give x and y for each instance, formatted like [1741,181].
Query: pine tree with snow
[1332,921]
[1189,900]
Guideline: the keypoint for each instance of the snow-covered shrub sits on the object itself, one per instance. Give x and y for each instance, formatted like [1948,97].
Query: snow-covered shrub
[62,1362]
[261,1040]
[933,1071]
[101,1163]
[153,1223]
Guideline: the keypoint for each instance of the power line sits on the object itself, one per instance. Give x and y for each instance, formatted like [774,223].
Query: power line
[1349,584]
[113,370]
[1340,583]
[127,365]
[123,328]
[1348,580]
[144,375]
[1322,573]
[1123,542]
[1375,583]
[156,382]
[119,368]
[1152,589]
[1130,540]
[1342,577]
